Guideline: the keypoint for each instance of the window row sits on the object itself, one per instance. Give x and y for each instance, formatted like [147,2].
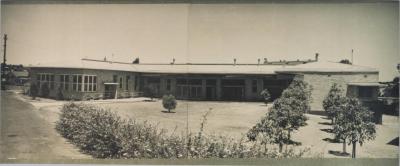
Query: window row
[80,82]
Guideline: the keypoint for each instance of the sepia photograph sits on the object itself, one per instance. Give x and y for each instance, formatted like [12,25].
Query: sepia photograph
[172,82]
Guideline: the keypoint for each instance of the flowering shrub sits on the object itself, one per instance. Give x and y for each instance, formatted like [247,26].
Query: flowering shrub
[103,134]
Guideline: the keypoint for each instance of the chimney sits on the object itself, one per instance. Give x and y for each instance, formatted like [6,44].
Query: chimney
[265,60]
[258,60]
[234,61]
[316,56]
[173,61]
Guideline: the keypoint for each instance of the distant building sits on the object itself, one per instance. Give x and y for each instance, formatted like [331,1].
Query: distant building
[101,79]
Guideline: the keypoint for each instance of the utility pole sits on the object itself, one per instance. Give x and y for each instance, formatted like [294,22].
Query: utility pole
[3,66]
[5,47]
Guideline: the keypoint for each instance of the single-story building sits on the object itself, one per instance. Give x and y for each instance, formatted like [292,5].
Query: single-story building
[103,79]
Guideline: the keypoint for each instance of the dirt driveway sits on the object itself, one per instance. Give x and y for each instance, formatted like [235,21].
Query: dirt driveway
[26,135]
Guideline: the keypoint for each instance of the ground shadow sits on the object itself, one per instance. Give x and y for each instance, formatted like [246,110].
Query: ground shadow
[325,123]
[148,100]
[327,130]
[291,142]
[338,153]
[163,111]
[394,142]
[321,113]
[330,140]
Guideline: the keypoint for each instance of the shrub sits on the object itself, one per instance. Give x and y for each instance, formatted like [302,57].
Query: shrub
[169,102]
[103,134]
[265,94]
[44,90]
[34,91]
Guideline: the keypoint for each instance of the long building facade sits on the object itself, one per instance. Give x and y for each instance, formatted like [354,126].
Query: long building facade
[101,79]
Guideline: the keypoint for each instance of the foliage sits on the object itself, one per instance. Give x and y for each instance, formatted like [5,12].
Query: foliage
[169,102]
[44,90]
[286,115]
[354,123]
[265,94]
[34,91]
[345,61]
[392,88]
[332,101]
[103,134]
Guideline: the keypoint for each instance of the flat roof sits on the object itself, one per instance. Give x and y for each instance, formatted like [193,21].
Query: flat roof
[312,66]
[365,84]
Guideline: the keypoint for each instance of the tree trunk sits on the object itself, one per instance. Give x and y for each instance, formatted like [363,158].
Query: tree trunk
[169,110]
[344,146]
[280,147]
[353,154]
[288,137]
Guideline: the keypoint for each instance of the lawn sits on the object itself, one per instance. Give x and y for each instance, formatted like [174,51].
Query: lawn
[235,119]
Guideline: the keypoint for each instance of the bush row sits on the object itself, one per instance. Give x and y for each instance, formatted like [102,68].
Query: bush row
[103,134]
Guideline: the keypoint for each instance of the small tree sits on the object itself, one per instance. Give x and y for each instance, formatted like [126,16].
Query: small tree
[333,99]
[293,104]
[265,94]
[355,123]
[44,90]
[286,115]
[270,130]
[169,102]
[34,91]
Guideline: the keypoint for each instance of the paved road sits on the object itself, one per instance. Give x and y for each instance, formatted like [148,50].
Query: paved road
[25,135]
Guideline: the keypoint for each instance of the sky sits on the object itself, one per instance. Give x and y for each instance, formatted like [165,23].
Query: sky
[203,33]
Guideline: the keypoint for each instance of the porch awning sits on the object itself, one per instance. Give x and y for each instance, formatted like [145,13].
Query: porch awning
[110,83]
[375,84]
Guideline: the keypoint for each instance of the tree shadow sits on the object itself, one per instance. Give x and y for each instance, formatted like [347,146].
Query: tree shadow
[330,140]
[163,111]
[325,118]
[291,142]
[338,153]
[327,130]
[394,142]
[325,123]
[149,100]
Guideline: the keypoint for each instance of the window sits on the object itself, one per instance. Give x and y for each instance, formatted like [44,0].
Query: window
[127,82]
[115,78]
[120,82]
[77,83]
[168,84]
[136,83]
[90,83]
[254,86]
[365,92]
[64,82]
[46,78]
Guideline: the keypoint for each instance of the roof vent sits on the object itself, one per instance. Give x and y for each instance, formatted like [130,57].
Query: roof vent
[173,61]
[316,56]
[258,61]
[234,61]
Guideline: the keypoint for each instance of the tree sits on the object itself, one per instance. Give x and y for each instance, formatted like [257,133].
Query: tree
[293,104]
[270,130]
[392,88]
[34,91]
[354,123]
[44,90]
[169,102]
[345,61]
[287,114]
[333,99]
[265,94]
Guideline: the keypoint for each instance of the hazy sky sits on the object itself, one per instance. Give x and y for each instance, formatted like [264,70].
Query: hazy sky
[204,33]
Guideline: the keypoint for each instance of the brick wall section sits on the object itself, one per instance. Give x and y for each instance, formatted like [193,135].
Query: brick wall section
[322,83]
